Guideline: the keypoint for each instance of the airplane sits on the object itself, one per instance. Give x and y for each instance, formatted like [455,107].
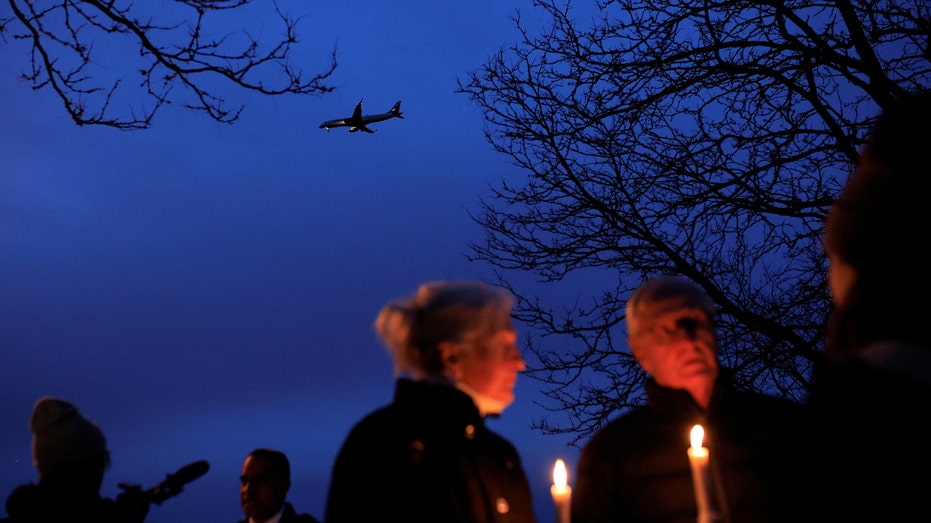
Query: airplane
[357,121]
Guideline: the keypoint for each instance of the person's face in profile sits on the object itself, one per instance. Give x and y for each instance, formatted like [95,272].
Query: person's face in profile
[262,492]
[841,279]
[678,348]
[491,365]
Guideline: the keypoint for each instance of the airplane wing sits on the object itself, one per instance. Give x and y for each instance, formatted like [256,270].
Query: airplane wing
[357,113]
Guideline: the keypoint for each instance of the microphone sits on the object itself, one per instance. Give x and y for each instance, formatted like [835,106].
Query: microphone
[138,500]
[172,484]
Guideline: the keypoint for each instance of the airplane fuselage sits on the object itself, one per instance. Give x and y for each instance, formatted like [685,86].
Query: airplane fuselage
[358,121]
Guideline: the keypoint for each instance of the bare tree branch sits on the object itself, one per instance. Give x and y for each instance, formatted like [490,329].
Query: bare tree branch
[91,53]
[669,136]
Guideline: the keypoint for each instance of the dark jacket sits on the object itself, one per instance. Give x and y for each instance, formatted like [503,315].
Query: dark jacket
[427,458]
[863,453]
[33,503]
[290,516]
[636,468]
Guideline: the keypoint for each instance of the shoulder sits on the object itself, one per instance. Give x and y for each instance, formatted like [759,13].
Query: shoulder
[291,516]
[376,419]
[23,500]
[764,404]
[377,425]
[374,441]
[621,431]
[755,415]
[631,419]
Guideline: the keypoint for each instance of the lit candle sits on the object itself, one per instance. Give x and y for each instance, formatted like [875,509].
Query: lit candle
[561,491]
[701,478]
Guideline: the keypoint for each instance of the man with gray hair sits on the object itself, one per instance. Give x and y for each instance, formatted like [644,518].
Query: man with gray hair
[636,468]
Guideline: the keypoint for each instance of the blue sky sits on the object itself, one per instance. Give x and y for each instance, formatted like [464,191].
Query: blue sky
[201,289]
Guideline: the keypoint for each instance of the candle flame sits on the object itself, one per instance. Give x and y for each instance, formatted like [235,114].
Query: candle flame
[560,476]
[697,435]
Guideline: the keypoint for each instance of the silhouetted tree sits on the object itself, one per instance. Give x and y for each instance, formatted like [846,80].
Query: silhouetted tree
[672,136]
[116,63]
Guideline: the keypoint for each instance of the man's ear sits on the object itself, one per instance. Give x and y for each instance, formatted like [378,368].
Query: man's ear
[639,354]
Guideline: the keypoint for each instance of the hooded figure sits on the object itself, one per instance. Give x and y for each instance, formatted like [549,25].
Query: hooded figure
[62,435]
[873,389]
[70,454]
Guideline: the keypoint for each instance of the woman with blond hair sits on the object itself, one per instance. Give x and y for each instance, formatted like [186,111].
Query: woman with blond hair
[428,456]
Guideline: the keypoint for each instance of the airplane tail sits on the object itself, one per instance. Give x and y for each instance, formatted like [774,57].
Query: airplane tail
[396,110]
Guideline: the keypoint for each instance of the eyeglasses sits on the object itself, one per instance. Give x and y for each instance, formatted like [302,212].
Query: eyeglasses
[680,326]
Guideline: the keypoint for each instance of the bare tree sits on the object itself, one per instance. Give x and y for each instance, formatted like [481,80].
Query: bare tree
[672,136]
[116,63]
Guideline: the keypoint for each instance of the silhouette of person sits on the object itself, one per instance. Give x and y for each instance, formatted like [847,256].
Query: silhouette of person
[636,468]
[863,455]
[263,489]
[428,456]
[70,455]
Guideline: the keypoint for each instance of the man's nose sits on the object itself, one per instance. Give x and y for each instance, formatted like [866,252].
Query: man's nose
[514,357]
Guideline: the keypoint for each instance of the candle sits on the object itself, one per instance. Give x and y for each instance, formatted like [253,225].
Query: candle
[701,478]
[561,491]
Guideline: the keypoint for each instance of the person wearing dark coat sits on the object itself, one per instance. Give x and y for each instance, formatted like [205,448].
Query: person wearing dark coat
[263,489]
[70,455]
[636,468]
[863,450]
[428,456]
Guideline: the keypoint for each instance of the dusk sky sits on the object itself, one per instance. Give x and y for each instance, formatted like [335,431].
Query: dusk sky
[202,289]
